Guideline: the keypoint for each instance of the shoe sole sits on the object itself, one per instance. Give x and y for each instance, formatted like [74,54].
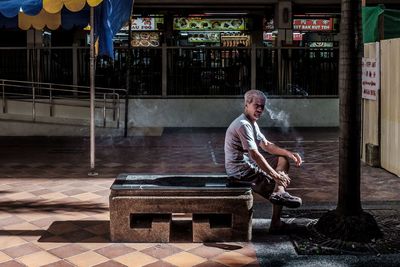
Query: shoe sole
[287,204]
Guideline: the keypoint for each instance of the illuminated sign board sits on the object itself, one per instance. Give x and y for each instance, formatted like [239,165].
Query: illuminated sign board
[313,24]
[198,23]
[269,36]
[146,23]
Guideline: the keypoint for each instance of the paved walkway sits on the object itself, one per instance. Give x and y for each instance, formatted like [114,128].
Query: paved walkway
[52,213]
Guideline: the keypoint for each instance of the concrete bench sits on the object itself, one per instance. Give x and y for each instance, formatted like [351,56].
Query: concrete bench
[142,206]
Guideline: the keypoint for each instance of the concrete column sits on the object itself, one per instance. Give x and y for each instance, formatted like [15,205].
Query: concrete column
[283,22]
[256,41]
[75,64]
[168,29]
[33,40]
[164,73]
[168,41]
[253,67]
[257,30]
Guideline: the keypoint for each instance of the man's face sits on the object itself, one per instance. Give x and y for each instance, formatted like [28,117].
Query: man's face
[255,109]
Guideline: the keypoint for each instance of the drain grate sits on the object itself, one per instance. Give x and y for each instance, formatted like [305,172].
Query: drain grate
[311,242]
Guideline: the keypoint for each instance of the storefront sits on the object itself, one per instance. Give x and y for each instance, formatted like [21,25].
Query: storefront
[320,31]
[190,31]
[145,32]
[212,32]
[202,30]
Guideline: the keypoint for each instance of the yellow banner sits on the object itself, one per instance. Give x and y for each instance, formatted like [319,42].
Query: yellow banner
[41,20]
[54,6]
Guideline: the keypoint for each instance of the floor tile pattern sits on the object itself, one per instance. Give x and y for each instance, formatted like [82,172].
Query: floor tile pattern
[53,214]
[37,229]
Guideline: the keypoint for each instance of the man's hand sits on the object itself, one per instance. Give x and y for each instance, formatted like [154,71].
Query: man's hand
[281,178]
[275,150]
[296,158]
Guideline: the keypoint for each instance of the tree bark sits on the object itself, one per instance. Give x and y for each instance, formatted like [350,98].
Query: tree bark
[350,50]
[349,221]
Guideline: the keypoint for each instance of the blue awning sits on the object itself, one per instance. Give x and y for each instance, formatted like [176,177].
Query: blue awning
[11,8]
[110,16]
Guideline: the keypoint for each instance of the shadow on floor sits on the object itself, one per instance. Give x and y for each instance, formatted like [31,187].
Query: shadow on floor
[95,231]
[20,206]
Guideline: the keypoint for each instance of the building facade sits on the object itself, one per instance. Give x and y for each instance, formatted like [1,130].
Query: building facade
[182,57]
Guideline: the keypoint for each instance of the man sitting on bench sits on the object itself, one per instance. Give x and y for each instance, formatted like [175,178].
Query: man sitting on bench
[245,164]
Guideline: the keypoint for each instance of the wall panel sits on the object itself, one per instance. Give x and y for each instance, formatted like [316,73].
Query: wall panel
[390,101]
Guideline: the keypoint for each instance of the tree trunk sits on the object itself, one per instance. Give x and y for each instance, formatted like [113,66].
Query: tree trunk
[349,221]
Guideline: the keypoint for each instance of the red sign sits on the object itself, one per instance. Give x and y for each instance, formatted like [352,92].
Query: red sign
[269,36]
[297,36]
[313,24]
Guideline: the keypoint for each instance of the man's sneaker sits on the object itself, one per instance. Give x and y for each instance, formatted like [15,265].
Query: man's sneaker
[285,199]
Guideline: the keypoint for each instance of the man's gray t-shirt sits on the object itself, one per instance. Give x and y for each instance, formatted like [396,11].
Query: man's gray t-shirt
[241,136]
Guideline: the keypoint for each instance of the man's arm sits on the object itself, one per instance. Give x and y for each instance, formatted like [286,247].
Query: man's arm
[276,150]
[263,164]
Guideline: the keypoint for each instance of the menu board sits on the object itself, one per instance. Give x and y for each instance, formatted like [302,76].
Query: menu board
[204,37]
[145,39]
[234,40]
[320,44]
[201,24]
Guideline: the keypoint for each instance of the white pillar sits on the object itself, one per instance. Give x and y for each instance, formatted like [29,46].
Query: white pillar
[92,97]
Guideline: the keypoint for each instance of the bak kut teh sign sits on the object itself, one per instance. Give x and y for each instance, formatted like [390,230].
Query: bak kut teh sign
[370,78]
[313,24]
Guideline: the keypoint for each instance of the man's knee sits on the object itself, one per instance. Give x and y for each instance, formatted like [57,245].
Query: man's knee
[283,164]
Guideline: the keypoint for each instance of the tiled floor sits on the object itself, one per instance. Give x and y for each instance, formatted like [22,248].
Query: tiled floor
[65,222]
[52,213]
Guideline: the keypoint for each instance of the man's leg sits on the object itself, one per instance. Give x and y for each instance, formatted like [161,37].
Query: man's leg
[276,216]
[282,165]
[264,185]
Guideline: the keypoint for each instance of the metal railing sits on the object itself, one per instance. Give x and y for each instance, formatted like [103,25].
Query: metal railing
[298,71]
[208,71]
[13,63]
[184,72]
[107,99]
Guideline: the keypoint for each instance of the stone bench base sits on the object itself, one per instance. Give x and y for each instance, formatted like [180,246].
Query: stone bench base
[144,214]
